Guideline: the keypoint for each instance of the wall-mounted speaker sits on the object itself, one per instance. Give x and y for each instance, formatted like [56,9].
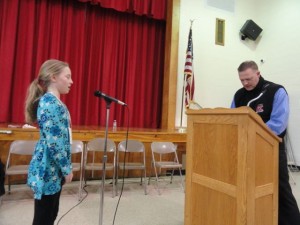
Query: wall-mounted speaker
[250,30]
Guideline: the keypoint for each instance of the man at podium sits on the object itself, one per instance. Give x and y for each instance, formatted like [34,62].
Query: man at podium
[270,101]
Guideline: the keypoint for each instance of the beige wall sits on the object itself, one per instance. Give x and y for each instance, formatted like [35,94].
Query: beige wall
[215,66]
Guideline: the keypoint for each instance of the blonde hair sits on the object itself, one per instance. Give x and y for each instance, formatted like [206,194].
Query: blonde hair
[39,87]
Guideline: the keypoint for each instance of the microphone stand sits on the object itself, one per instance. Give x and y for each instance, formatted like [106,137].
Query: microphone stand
[108,102]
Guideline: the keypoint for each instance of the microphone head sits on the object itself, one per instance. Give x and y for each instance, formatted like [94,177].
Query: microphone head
[97,93]
[108,98]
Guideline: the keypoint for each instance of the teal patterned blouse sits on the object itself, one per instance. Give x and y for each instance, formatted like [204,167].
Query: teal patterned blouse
[51,160]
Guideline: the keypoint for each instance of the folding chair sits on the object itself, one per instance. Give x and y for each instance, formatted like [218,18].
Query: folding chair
[291,162]
[18,148]
[160,152]
[77,148]
[95,146]
[136,147]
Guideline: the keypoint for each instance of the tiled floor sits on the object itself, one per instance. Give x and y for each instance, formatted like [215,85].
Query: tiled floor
[295,184]
[135,208]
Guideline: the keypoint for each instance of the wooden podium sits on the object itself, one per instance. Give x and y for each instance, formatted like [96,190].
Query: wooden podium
[231,168]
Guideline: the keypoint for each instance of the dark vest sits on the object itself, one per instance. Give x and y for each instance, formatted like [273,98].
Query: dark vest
[262,106]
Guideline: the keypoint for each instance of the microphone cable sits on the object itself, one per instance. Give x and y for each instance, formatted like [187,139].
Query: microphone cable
[74,205]
[125,153]
[254,99]
[263,91]
[123,180]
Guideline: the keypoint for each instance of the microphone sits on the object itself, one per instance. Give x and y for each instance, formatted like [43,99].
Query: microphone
[107,97]
[254,99]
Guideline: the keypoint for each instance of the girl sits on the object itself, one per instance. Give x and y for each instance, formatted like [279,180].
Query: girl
[50,165]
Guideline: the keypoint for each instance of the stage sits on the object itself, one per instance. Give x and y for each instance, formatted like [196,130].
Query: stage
[9,133]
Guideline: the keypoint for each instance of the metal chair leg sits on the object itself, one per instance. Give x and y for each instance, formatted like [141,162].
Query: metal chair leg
[291,175]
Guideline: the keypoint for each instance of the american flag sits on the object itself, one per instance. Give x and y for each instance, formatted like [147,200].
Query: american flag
[189,73]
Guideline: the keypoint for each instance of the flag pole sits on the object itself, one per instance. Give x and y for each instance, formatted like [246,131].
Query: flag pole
[182,100]
[183,87]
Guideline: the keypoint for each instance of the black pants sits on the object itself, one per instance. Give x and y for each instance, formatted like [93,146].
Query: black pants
[46,209]
[288,208]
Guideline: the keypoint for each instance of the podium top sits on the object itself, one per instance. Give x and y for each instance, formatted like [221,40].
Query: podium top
[243,110]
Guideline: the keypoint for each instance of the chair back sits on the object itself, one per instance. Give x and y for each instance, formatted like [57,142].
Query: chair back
[163,147]
[76,147]
[22,147]
[132,146]
[19,147]
[98,144]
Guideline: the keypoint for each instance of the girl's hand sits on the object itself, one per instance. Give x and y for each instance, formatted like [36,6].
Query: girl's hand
[69,177]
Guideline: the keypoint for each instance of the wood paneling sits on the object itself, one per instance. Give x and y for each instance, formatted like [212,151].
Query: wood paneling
[7,135]
[171,64]
[232,168]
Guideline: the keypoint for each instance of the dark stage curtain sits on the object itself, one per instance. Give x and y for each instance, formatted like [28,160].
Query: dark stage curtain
[108,49]
[152,8]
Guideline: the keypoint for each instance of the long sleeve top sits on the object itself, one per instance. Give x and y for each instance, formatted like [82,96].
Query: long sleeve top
[51,160]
